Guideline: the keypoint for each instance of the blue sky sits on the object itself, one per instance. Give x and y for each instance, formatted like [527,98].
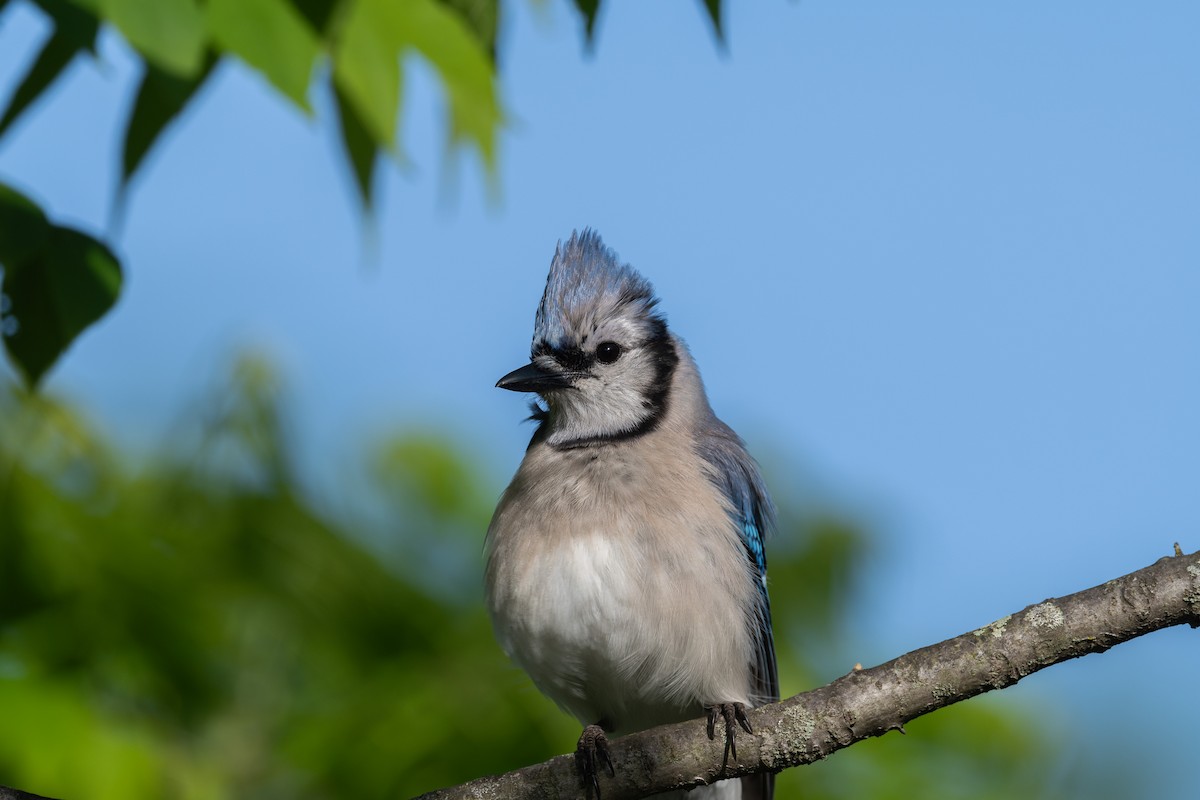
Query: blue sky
[940,260]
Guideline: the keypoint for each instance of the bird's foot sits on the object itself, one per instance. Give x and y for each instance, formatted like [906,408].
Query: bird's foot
[590,754]
[734,714]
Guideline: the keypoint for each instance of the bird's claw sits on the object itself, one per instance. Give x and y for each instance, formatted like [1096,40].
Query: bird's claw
[591,751]
[734,714]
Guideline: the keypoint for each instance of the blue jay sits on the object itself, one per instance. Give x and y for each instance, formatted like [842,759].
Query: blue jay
[625,564]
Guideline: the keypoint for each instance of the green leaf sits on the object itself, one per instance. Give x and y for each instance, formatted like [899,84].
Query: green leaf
[358,145]
[24,228]
[169,33]
[272,37]
[589,9]
[160,98]
[73,18]
[52,295]
[445,41]
[319,13]
[714,13]
[74,30]
[367,67]
[482,17]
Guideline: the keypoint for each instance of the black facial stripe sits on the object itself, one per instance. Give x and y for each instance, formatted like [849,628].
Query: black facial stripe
[573,359]
[665,359]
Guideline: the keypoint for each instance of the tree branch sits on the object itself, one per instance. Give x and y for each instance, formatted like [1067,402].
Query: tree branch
[871,702]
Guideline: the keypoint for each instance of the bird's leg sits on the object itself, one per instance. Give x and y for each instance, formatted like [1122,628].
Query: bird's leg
[590,753]
[734,714]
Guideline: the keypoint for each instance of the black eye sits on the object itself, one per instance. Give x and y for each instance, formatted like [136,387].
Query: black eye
[608,352]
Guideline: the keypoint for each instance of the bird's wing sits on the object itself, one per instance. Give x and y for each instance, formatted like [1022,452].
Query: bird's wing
[766,676]
[737,476]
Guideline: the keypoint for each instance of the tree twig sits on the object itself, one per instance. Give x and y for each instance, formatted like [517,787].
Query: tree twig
[871,702]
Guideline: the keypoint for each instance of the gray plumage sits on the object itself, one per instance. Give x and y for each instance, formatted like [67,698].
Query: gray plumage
[625,570]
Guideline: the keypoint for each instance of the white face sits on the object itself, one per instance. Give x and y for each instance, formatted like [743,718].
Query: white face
[619,370]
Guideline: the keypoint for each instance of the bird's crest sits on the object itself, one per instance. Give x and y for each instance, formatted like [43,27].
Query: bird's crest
[587,284]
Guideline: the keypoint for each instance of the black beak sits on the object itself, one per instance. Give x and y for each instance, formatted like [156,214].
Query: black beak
[532,378]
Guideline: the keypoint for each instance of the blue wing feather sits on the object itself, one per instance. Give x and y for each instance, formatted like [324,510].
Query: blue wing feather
[756,516]
[766,678]
[737,476]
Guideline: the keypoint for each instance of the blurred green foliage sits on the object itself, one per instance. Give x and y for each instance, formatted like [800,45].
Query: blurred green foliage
[56,281]
[190,628]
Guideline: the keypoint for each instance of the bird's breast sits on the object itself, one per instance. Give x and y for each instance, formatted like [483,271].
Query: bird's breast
[621,604]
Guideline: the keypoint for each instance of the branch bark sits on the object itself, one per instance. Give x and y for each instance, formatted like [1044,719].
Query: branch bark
[871,702]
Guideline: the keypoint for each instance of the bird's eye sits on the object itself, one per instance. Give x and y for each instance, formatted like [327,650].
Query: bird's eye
[608,352]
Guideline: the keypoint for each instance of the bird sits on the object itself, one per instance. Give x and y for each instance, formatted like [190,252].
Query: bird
[625,570]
